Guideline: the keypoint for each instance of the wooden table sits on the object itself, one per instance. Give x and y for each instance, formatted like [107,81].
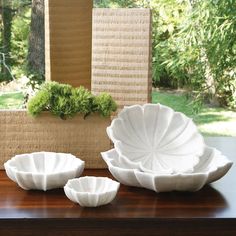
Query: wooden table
[135,211]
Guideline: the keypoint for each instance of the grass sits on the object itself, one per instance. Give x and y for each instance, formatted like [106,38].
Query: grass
[210,121]
[11,100]
[216,122]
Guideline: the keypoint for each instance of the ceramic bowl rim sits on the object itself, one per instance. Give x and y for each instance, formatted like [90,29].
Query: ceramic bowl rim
[139,163]
[8,164]
[110,164]
[115,188]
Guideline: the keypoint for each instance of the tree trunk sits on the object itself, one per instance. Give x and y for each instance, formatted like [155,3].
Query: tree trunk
[209,79]
[211,84]
[36,52]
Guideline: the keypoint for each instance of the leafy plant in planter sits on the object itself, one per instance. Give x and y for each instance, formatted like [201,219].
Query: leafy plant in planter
[65,101]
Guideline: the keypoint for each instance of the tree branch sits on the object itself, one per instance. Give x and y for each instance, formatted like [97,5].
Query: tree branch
[3,61]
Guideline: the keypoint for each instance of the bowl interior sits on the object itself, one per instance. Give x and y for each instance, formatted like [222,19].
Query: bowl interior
[93,184]
[210,160]
[156,138]
[45,162]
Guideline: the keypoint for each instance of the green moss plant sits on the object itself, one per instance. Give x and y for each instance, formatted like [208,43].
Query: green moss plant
[66,101]
[105,104]
[39,104]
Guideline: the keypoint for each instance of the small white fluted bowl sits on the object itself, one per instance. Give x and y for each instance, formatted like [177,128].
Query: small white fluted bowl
[156,139]
[91,191]
[212,166]
[43,170]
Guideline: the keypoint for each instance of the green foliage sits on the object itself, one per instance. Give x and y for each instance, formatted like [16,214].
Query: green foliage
[84,101]
[168,15]
[5,42]
[65,101]
[194,46]
[205,51]
[210,121]
[60,99]
[11,100]
[115,3]
[105,104]
[14,39]
[39,103]
[20,32]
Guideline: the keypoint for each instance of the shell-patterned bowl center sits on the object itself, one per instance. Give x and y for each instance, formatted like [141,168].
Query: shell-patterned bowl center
[155,138]
[90,191]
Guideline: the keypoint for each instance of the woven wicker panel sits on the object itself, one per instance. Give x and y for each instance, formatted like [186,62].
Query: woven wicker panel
[121,54]
[20,133]
[68,41]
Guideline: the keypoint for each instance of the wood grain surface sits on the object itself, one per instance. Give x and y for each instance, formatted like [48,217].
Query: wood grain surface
[135,211]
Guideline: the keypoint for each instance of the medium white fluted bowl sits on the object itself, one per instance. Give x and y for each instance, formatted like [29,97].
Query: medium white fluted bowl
[43,170]
[211,167]
[91,191]
[156,139]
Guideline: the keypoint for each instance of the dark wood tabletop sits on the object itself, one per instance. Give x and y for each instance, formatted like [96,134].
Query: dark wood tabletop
[135,211]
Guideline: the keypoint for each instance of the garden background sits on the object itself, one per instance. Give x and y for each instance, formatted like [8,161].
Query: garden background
[194,56]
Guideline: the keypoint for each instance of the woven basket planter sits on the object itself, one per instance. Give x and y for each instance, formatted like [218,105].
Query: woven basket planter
[84,138]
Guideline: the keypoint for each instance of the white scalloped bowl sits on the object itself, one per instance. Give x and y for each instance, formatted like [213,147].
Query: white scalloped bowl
[43,170]
[211,167]
[90,191]
[156,139]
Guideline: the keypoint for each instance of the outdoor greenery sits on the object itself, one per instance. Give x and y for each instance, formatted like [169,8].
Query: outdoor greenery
[20,32]
[194,49]
[11,100]
[194,46]
[202,53]
[66,101]
[15,28]
[211,121]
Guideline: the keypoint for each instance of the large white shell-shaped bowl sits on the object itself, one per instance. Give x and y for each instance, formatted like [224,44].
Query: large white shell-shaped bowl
[212,166]
[43,170]
[156,139]
[90,191]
